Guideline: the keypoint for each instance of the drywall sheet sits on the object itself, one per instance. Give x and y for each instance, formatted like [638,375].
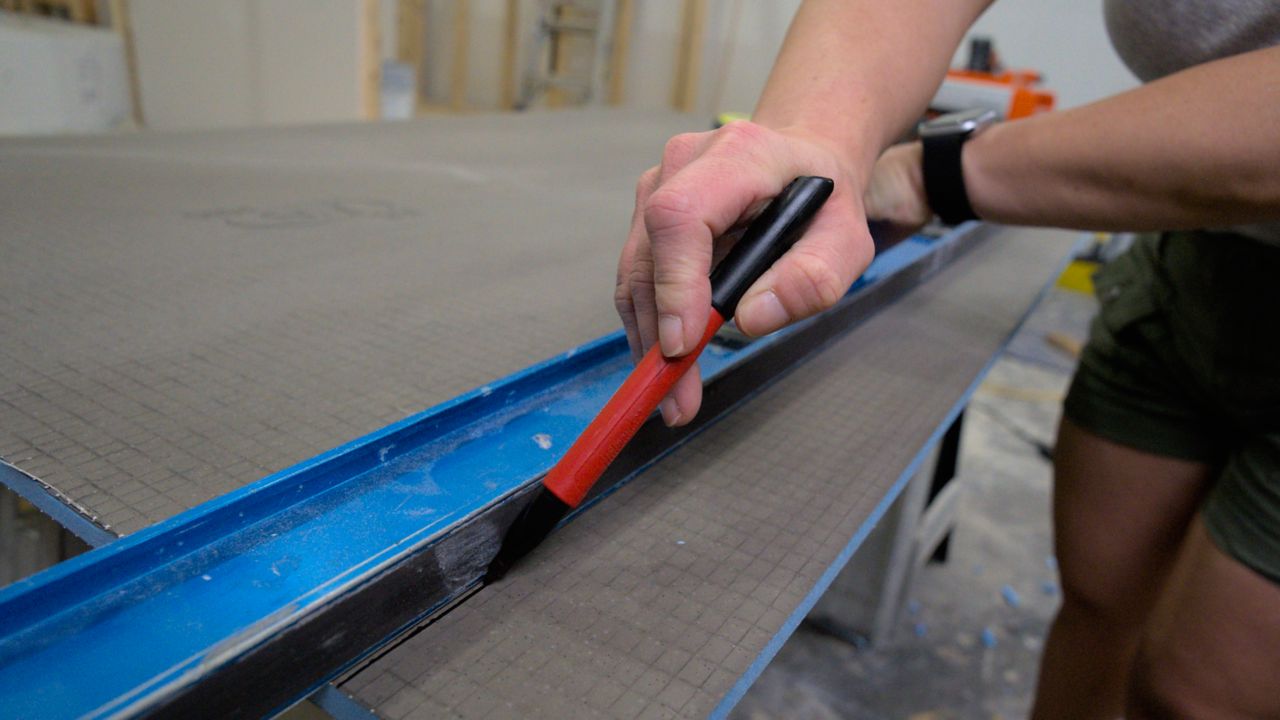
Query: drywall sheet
[184,313]
[669,597]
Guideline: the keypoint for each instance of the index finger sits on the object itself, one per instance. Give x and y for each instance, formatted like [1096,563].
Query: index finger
[687,212]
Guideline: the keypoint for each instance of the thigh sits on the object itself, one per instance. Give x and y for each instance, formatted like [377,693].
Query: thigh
[1242,514]
[1212,645]
[1120,515]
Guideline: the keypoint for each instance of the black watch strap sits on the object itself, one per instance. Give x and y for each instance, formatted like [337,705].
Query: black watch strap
[944,178]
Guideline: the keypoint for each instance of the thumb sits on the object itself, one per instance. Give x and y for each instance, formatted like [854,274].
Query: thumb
[811,277]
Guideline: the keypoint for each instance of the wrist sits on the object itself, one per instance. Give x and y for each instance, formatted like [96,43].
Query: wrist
[896,193]
[978,166]
[946,141]
[854,151]
[915,171]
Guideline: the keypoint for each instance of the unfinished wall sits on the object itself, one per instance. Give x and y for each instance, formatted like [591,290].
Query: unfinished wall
[236,62]
[248,62]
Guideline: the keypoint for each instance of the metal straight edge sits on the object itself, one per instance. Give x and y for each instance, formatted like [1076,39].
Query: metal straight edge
[249,602]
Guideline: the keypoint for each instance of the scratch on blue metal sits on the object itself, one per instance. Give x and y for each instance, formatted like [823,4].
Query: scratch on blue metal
[93,635]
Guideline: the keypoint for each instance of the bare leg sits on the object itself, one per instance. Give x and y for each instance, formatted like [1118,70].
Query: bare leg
[1120,516]
[1212,646]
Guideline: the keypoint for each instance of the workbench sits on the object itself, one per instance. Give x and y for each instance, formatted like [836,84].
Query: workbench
[185,313]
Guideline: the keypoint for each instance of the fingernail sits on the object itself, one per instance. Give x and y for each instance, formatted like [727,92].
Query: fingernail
[670,412]
[764,314]
[671,335]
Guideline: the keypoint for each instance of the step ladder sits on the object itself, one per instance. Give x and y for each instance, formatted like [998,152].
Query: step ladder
[575,54]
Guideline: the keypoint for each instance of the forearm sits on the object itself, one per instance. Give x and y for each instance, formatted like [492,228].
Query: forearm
[858,73]
[1200,148]
[851,76]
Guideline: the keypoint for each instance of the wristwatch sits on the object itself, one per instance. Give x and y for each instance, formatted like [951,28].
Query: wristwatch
[943,138]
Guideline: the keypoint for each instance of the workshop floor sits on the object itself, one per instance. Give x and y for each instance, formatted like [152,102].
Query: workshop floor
[969,642]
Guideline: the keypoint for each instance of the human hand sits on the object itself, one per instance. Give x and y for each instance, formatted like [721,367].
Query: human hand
[707,186]
[894,200]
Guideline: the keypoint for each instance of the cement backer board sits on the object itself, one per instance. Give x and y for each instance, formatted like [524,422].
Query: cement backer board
[184,313]
[671,594]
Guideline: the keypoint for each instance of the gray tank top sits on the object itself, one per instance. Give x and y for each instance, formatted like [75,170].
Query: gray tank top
[1159,37]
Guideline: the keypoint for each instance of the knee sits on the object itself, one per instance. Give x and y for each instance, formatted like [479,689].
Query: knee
[1091,598]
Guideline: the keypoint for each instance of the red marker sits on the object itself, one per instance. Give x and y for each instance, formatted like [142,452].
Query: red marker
[770,235]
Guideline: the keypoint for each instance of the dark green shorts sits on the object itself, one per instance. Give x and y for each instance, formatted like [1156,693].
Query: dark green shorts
[1183,361]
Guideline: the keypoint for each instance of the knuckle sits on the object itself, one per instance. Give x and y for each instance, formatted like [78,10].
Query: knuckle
[821,286]
[625,260]
[622,302]
[673,284]
[741,133]
[645,183]
[670,284]
[620,277]
[640,286]
[677,288]
[667,211]
[863,253]
[622,288]
[679,147]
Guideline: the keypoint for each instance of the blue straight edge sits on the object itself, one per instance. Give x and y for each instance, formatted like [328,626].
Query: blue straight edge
[97,635]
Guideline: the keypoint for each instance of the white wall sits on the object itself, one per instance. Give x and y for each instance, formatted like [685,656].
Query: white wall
[1064,39]
[56,77]
[219,63]
[650,63]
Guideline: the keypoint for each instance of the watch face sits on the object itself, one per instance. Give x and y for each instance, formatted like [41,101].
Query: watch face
[958,123]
